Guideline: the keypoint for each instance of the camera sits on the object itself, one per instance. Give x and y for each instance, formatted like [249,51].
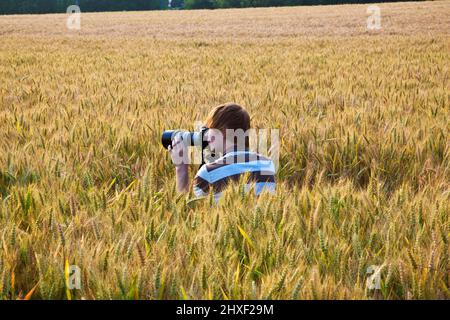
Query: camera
[189,138]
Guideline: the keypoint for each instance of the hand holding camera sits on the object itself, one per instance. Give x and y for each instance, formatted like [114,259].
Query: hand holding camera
[178,151]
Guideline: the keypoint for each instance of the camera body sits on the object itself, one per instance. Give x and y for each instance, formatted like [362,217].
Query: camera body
[190,138]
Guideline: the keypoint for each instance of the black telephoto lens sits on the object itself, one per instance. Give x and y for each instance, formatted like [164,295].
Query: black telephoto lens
[193,138]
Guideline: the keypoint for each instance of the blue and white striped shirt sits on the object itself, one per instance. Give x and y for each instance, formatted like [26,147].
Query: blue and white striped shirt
[215,176]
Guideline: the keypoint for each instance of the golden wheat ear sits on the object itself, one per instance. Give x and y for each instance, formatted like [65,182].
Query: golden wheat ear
[30,293]
[192,202]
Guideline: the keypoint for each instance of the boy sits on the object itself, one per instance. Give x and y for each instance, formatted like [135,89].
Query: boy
[227,135]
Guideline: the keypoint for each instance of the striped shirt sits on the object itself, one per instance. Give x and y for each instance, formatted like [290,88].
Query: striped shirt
[215,176]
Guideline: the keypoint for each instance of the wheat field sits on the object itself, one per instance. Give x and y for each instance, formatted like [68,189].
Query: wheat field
[364,170]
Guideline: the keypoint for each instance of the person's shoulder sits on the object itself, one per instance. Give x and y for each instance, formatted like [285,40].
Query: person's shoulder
[261,157]
[254,156]
[216,164]
[203,173]
[265,164]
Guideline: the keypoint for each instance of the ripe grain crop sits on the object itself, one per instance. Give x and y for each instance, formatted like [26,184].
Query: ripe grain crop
[364,168]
